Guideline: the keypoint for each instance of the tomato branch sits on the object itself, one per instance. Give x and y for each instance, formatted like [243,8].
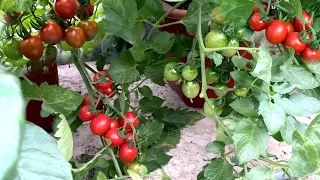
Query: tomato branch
[115,162]
[229,48]
[273,163]
[203,93]
[163,17]
[89,68]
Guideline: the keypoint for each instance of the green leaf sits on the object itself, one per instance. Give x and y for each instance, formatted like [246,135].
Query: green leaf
[219,169]
[64,135]
[216,57]
[162,42]
[99,176]
[290,126]
[150,132]
[296,4]
[41,157]
[120,19]
[134,175]
[264,65]
[137,51]
[18,6]
[181,46]
[169,139]
[299,105]
[240,62]
[123,69]
[177,118]
[215,147]
[151,8]
[223,137]
[250,141]
[244,106]
[12,106]
[260,172]
[164,176]
[55,99]
[155,158]
[300,77]
[315,93]
[261,90]
[283,88]
[242,78]
[237,12]
[273,115]
[145,91]
[150,105]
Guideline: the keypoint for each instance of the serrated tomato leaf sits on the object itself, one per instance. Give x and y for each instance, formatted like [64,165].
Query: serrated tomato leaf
[155,158]
[162,42]
[64,135]
[260,171]
[244,106]
[150,105]
[150,132]
[264,65]
[219,169]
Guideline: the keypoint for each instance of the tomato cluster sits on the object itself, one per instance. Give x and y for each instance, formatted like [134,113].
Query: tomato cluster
[53,31]
[287,33]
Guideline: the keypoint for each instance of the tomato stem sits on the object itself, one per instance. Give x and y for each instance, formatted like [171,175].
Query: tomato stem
[273,163]
[115,162]
[229,48]
[89,68]
[203,74]
[164,16]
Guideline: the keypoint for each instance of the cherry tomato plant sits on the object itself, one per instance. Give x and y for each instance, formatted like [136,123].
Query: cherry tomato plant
[259,86]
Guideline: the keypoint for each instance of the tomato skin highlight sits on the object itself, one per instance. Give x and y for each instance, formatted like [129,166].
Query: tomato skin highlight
[127,154]
[310,55]
[32,47]
[74,36]
[216,39]
[298,25]
[66,9]
[90,28]
[189,73]
[293,40]
[191,89]
[100,124]
[132,118]
[256,24]
[114,123]
[290,27]
[85,114]
[211,75]
[11,49]
[51,33]
[115,138]
[276,32]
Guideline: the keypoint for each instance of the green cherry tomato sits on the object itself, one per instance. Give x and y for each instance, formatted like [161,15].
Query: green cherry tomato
[190,89]
[214,25]
[218,15]
[216,39]
[241,92]
[189,73]
[240,32]
[233,42]
[170,73]
[212,103]
[136,167]
[211,75]
[12,49]
[220,89]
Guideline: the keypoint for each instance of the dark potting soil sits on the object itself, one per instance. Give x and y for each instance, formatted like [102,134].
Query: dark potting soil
[184,6]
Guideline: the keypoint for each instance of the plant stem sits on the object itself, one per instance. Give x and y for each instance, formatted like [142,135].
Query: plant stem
[89,68]
[245,167]
[273,163]
[169,24]
[229,48]
[203,72]
[82,71]
[138,85]
[164,16]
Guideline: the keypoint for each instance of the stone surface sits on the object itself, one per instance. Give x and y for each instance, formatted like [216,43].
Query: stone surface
[188,157]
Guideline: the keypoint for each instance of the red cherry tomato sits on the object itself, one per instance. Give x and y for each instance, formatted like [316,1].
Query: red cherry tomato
[298,25]
[32,47]
[85,114]
[256,24]
[109,92]
[51,33]
[11,19]
[90,28]
[245,54]
[132,118]
[66,9]
[293,40]
[256,7]
[310,55]
[127,154]
[114,123]
[105,82]
[86,11]
[276,32]
[100,124]
[129,137]
[74,36]
[86,101]
[113,135]
[290,27]
[230,83]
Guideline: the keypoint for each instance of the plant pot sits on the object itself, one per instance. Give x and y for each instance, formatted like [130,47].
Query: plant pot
[40,72]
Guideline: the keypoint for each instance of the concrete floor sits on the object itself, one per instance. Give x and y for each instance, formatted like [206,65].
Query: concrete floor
[188,158]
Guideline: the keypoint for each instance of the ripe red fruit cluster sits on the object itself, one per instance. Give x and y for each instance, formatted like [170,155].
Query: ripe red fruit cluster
[278,31]
[103,82]
[102,124]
